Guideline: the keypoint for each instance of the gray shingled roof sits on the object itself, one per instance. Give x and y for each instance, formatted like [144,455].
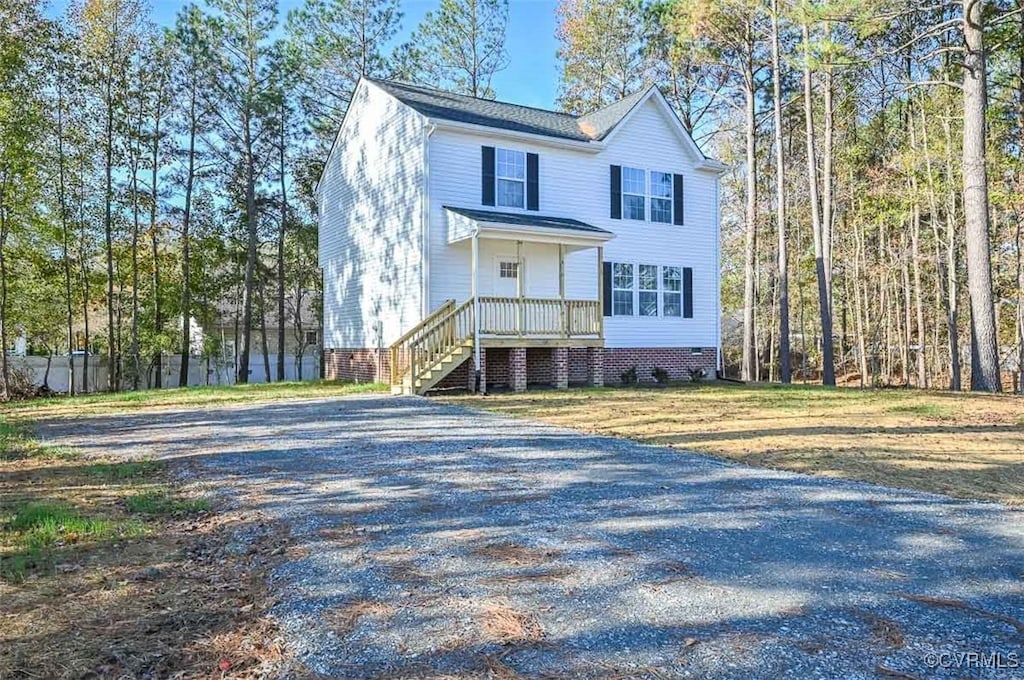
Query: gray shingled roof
[502,115]
[522,220]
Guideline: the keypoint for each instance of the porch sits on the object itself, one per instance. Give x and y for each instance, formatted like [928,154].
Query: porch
[517,273]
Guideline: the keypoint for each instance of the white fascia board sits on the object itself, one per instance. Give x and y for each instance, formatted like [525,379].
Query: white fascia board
[545,140]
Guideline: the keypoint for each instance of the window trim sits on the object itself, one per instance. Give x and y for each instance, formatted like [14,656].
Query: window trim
[664,291]
[660,290]
[631,290]
[498,178]
[670,199]
[643,196]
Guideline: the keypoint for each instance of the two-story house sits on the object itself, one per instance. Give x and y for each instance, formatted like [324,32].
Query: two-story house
[468,242]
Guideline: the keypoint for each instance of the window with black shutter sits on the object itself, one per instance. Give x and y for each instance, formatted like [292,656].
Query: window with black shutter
[677,199]
[687,293]
[616,198]
[487,175]
[532,182]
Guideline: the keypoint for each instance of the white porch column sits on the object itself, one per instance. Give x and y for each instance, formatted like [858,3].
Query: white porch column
[475,292]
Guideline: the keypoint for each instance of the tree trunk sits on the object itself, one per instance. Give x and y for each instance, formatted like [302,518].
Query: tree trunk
[985,340]
[749,365]
[785,370]
[108,230]
[280,252]
[5,369]
[828,376]
[264,345]
[250,259]
[186,238]
[158,322]
[136,152]
[65,236]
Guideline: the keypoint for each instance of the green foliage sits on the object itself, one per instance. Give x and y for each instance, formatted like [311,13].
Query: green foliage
[162,502]
[128,470]
[660,375]
[458,47]
[629,376]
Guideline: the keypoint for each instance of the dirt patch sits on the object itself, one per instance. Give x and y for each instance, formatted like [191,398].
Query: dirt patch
[115,570]
[512,553]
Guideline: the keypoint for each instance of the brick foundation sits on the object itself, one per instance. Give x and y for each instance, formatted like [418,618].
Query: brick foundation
[517,368]
[678,361]
[521,367]
[358,365]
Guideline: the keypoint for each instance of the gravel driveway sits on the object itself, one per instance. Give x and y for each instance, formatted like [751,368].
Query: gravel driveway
[442,541]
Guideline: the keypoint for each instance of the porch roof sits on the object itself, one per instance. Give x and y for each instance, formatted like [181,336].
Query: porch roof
[490,223]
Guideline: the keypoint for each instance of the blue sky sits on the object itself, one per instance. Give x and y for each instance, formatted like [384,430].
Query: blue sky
[532,75]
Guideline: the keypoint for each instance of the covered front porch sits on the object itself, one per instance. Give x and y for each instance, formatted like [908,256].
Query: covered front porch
[534,287]
[528,287]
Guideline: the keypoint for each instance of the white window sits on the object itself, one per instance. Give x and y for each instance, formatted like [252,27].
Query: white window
[622,289]
[508,270]
[634,193]
[648,297]
[510,178]
[661,197]
[672,287]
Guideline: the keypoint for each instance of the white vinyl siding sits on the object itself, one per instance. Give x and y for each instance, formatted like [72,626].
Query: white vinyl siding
[371,226]
[574,184]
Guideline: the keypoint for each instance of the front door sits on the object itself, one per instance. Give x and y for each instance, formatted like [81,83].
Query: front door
[507,273]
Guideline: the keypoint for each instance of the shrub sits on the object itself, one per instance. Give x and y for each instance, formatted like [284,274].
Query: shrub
[697,374]
[629,377]
[660,375]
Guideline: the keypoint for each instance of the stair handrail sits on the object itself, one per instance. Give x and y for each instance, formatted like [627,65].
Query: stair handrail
[400,367]
[444,334]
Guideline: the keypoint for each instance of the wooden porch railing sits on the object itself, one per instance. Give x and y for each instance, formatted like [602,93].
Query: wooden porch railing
[526,317]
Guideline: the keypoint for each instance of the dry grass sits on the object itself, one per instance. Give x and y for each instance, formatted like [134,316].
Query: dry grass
[100,403]
[506,625]
[80,596]
[963,445]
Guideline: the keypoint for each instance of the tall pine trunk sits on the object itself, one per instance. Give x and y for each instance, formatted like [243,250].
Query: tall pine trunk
[828,374]
[749,367]
[64,229]
[280,248]
[186,241]
[984,339]
[785,369]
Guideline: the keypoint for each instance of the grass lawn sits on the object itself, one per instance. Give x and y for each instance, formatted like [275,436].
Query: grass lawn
[963,445]
[182,397]
[111,568]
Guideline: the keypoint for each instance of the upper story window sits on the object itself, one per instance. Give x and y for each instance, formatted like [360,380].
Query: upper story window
[510,178]
[633,189]
[634,193]
[661,197]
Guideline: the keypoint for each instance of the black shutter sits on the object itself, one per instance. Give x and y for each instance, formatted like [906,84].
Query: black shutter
[487,175]
[677,199]
[532,182]
[606,288]
[616,192]
[687,293]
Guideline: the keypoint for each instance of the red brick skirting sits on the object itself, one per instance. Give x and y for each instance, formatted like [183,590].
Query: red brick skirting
[678,361]
[543,366]
[359,365]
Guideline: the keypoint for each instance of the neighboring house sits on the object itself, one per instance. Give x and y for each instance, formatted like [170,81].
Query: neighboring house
[461,237]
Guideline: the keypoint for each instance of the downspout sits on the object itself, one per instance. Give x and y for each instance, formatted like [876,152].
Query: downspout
[428,130]
[719,361]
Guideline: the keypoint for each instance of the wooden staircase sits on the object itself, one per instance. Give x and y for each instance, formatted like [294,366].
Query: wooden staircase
[434,348]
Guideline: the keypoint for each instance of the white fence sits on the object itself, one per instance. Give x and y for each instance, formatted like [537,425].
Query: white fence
[200,372]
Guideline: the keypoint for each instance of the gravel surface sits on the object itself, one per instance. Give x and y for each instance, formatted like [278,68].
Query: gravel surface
[437,540]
